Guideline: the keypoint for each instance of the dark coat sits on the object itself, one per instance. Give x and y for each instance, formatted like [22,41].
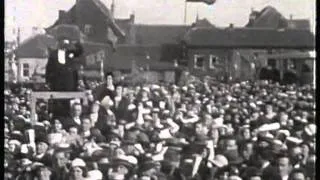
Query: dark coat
[63,77]
[69,122]
[101,91]
[270,173]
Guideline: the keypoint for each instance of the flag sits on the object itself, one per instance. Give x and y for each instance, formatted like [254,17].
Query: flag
[209,2]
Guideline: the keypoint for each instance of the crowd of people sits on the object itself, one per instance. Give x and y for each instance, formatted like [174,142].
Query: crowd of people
[191,131]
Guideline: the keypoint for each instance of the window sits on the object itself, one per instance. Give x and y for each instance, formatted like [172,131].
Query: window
[272,62]
[198,61]
[213,61]
[87,28]
[25,70]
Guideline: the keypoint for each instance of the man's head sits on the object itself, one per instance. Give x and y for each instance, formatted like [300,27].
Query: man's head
[42,147]
[296,154]
[284,165]
[119,90]
[201,129]
[297,174]
[109,79]
[247,150]
[231,144]
[23,109]
[95,107]
[57,124]
[60,159]
[268,108]
[283,118]
[86,124]
[44,173]
[77,109]
[73,131]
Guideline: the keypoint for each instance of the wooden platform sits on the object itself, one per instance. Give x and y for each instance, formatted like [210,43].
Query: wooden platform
[53,95]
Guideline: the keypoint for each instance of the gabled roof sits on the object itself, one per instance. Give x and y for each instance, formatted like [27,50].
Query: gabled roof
[203,23]
[269,17]
[299,24]
[35,46]
[67,30]
[71,17]
[249,38]
[115,28]
[68,20]
[142,55]
[159,34]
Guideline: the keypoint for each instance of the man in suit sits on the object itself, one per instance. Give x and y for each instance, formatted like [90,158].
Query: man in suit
[62,71]
[75,118]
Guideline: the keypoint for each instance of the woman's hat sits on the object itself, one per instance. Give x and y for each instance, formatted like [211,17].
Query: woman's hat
[220,160]
[77,162]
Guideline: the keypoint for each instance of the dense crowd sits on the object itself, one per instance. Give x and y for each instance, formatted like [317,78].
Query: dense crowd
[202,131]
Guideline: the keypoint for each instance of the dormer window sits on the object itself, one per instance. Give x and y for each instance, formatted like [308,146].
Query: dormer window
[87,29]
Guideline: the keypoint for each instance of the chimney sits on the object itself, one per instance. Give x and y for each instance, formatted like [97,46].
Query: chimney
[197,17]
[291,16]
[112,9]
[132,17]
[18,37]
[62,14]
[231,25]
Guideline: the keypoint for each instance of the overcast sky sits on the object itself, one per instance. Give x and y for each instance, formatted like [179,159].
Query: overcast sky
[43,13]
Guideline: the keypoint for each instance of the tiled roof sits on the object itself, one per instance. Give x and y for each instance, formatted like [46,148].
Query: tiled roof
[269,17]
[202,23]
[159,34]
[249,38]
[35,46]
[142,55]
[71,13]
[299,24]
[115,28]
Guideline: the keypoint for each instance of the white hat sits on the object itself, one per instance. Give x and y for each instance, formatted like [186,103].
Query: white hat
[77,162]
[107,101]
[131,106]
[155,86]
[184,88]
[147,117]
[191,86]
[254,106]
[146,89]
[132,160]
[220,160]
[294,140]
[116,176]
[149,103]
[25,162]
[104,161]
[73,101]
[15,142]
[234,177]
[94,175]
[310,129]
[269,127]
[285,132]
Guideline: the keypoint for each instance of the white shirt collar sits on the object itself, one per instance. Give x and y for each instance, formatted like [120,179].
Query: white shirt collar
[285,177]
[77,120]
[264,165]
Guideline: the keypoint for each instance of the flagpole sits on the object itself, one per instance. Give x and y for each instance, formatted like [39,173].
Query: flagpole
[185,12]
